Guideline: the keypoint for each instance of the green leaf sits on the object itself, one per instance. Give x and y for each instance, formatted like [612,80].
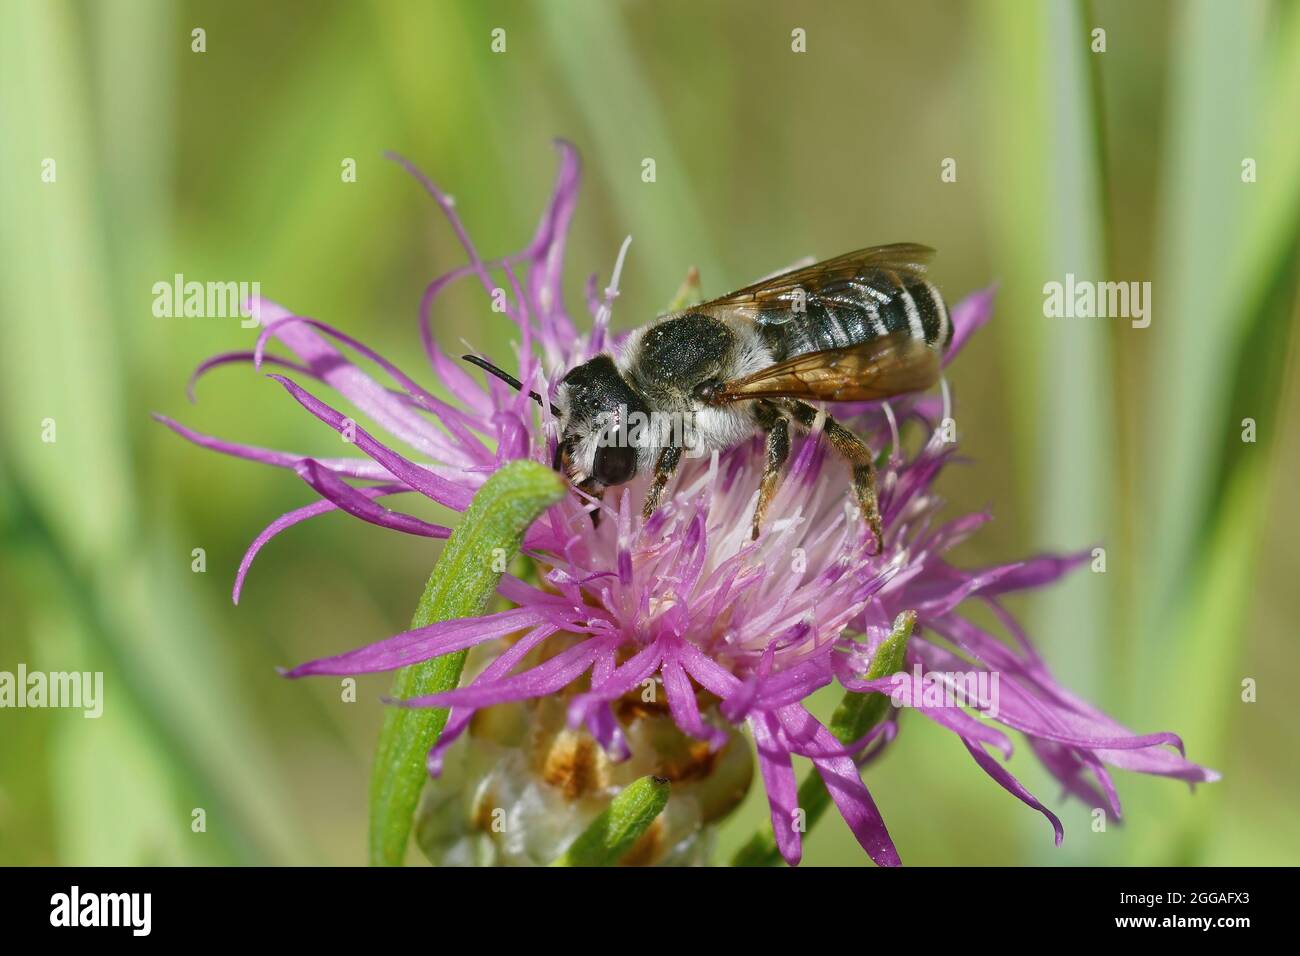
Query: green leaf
[858,713]
[462,583]
[853,718]
[619,826]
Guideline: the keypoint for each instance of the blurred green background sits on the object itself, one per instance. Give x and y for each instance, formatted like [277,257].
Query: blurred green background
[225,165]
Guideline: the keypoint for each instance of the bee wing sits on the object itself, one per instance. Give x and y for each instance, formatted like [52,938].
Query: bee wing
[836,283]
[866,372]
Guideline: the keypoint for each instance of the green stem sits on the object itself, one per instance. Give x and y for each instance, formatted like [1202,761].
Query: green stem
[853,719]
[619,826]
[463,581]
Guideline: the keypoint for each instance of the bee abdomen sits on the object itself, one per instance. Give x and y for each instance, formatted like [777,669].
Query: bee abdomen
[919,310]
[867,309]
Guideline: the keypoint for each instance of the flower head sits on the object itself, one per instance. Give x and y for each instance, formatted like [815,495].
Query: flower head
[734,631]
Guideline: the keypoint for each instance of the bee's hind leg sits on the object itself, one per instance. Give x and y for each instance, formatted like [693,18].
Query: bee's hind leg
[776,425]
[665,465]
[858,455]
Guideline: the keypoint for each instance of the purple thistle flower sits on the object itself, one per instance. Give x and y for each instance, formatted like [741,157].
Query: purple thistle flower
[748,628]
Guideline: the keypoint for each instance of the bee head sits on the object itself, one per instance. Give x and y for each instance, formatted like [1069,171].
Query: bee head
[594,403]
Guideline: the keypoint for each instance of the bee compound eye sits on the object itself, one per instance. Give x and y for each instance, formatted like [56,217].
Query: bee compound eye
[614,464]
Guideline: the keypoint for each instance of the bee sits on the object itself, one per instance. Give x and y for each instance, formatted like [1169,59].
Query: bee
[864,326]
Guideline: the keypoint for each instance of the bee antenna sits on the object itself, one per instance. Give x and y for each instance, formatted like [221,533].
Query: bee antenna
[506,377]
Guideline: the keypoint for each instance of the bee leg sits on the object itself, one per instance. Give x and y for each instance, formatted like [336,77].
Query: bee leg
[665,466]
[597,491]
[778,450]
[858,455]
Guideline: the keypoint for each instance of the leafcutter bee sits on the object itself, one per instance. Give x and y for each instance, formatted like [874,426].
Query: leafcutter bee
[864,326]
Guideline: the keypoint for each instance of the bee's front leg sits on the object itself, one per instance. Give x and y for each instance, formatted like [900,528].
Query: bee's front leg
[778,450]
[859,458]
[597,491]
[665,466]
